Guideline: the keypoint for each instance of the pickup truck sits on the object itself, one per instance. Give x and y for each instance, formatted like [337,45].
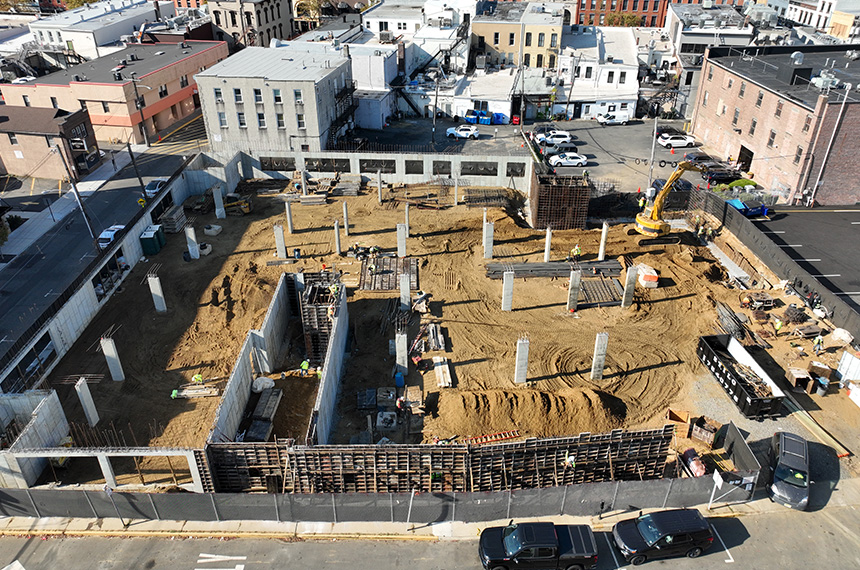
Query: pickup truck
[749,209]
[537,545]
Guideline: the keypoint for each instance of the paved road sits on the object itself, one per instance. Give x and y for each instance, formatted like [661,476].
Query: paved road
[824,242]
[784,539]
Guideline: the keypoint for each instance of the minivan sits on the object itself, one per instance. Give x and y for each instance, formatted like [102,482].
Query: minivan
[663,534]
[788,482]
[616,118]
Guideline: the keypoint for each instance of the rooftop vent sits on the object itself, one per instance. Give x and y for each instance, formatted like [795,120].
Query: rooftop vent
[797,58]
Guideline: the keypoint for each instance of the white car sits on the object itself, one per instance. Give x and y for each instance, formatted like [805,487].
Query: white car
[554,137]
[568,159]
[614,118]
[154,187]
[464,132]
[106,237]
[676,141]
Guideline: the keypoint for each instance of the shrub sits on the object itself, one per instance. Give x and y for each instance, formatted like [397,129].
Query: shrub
[742,182]
[15,222]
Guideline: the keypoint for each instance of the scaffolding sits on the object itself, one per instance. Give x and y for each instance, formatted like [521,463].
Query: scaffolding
[559,202]
[317,305]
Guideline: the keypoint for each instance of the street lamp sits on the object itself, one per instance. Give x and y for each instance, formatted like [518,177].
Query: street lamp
[53,219]
[139,103]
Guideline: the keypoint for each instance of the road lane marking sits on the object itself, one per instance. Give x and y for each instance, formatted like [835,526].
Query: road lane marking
[777,231]
[797,245]
[829,275]
[218,558]
[808,260]
[612,551]
[855,223]
[852,293]
[730,559]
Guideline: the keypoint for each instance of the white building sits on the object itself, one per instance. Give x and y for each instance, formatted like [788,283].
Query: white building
[87,29]
[816,14]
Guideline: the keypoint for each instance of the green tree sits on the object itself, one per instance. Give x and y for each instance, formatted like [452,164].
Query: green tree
[72,4]
[4,231]
[623,20]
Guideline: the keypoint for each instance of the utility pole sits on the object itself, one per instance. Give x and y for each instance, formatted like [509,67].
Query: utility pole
[139,104]
[653,145]
[572,80]
[75,190]
[136,171]
[435,109]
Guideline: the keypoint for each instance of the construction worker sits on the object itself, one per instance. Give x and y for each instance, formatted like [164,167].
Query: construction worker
[710,234]
[818,345]
[197,379]
[777,326]
[374,250]
[641,203]
[585,174]
[330,312]
[372,269]
[575,253]
[745,303]
[304,367]
[333,289]
[701,233]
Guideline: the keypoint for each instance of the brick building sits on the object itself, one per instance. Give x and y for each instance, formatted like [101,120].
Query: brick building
[163,75]
[514,33]
[31,140]
[788,114]
[652,12]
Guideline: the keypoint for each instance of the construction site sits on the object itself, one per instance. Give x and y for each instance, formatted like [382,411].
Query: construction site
[409,337]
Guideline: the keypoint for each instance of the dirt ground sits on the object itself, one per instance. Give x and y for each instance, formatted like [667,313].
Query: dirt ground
[212,302]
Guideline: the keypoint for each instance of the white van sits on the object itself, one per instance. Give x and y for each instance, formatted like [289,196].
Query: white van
[616,118]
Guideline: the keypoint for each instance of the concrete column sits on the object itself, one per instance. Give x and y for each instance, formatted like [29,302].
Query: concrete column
[87,403]
[107,470]
[488,240]
[220,212]
[196,480]
[112,357]
[521,373]
[405,290]
[280,244]
[157,293]
[547,246]
[289,212]
[406,219]
[401,240]
[402,353]
[507,290]
[191,239]
[304,184]
[345,220]
[456,191]
[379,184]
[485,216]
[337,249]
[603,235]
[629,286]
[573,290]
[599,360]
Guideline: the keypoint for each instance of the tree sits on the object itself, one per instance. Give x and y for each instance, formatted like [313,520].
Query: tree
[72,4]
[623,20]
[4,231]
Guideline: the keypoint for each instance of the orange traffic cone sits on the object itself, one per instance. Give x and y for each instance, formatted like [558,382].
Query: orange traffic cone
[672,151]
[159,138]
[639,190]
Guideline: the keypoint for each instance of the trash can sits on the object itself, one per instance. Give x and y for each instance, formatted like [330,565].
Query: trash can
[823,384]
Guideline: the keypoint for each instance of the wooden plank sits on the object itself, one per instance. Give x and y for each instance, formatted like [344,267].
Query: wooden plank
[443,373]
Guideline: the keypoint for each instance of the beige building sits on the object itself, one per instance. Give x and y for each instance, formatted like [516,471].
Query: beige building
[517,33]
[252,22]
[845,24]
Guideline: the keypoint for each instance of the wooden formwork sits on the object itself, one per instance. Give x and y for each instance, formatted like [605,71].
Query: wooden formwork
[387,272]
[314,306]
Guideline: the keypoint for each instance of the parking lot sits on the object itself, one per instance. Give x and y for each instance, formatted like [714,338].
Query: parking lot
[620,153]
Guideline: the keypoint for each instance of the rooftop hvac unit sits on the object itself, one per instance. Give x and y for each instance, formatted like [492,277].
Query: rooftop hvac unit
[707,4]
[610,58]
[386,36]
[446,22]
[797,58]
[481,61]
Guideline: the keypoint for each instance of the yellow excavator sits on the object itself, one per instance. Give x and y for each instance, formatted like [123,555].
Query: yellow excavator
[650,222]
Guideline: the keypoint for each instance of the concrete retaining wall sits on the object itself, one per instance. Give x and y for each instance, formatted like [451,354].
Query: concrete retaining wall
[270,337]
[205,171]
[46,426]
[324,408]
[235,397]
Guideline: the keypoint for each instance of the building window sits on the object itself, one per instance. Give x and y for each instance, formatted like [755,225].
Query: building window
[401,25]
[277,95]
[300,119]
[481,43]
[495,38]
[730,83]
[552,61]
[541,37]
[183,82]
[527,58]
[743,89]
[771,139]
[710,72]
[807,123]
[12,138]
[622,77]
[237,95]
[753,124]
[539,60]
[297,95]
[528,39]
[553,40]
[797,155]
[383,26]
[54,103]
[83,104]
[588,72]
[736,116]
[511,39]
[105,107]
[759,99]
[645,6]
[162,91]
[610,77]
[233,19]
[241,118]
[602,19]
[778,112]
[705,99]
[261,120]
[258,95]
[218,97]
[26,100]
[217,15]
[280,119]
[222,119]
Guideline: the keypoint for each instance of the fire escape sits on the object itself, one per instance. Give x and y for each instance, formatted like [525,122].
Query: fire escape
[344,109]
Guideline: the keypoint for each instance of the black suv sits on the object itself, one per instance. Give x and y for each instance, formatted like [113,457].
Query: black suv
[663,534]
[788,459]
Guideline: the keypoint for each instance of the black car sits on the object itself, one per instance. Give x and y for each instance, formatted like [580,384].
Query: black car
[698,157]
[667,130]
[663,534]
[681,185]
[788,483]
[720,176]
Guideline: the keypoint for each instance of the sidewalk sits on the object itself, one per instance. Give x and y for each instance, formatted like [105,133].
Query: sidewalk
[845,493]
[41,223]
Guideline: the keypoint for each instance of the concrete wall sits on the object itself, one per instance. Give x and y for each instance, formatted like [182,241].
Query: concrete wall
[46,425]
[269,339]
[235,397]
[204,172]
[324,408]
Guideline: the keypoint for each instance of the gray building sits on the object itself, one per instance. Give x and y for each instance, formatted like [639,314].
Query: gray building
[252,22]
[264,100]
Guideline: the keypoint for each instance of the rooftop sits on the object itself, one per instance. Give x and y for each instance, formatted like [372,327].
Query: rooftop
[767,66]
[276,64]
[697,16]
[95,16]
[149,58]
[495,86]
[31,120]
[335,28]
[396,10]
[543,13]
[502,12]
[620,43]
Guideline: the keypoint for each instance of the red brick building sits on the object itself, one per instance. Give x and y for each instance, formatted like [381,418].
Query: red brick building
[787,115]
[651,12]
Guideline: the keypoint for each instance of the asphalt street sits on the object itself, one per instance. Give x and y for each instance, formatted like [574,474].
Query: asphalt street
[783,539]
[820,240]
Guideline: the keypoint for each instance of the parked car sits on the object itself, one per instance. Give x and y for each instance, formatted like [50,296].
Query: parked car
[720,176]
[537,545]
[788,480]
[697,157]
[464,132]
[617,118]
[559,148]
[543,129]
[154,187]
[667,130]
[554,137]
[568,159]
[681,185]
[106,237]
[676,141]
[663,534]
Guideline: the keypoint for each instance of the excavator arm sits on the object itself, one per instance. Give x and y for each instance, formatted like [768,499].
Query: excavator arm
[650,222]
